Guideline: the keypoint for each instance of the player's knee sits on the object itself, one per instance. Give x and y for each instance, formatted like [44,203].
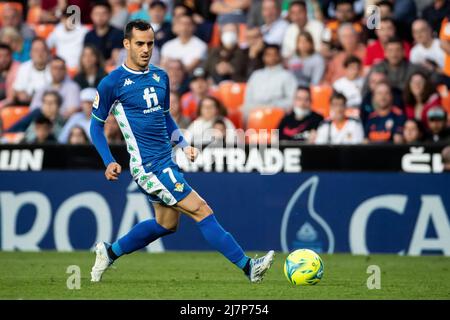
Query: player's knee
[202,209]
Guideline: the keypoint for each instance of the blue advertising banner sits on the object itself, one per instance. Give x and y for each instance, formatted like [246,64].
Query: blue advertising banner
[361,213]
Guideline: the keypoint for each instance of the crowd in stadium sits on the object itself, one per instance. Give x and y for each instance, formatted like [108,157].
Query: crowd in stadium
[320,71]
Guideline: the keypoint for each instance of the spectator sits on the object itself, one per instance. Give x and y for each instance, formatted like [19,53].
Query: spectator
[19,46]
[162,29]
[34,74]
[67,38]
[427,51]
[446,158]
[339,129]
[255,49]
[298,17]
[43,131]
[51,103]
[80,119]
[175,111]
[376,50]
[220,132]
[230,11]
[444,36]
[301,123]
[435,13]
[271,86]
[11,17]
[119,13]
[351,46]
[112,131]
[67,88]
[77,136]
[274,26]
[185,47]
[351,84]
[419,96]
[228,61]
[8,73]
[106,38]
[412,132]
[201,14]
[395,66]
[179,81]
[200,89]
[91,68]
[209,110]
[437,126]
[345,13]
[307,65]
[385,124]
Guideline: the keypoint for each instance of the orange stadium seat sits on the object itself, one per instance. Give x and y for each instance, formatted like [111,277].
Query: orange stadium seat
[11,114]
[445,97]
[11,137]
[320,95]
[72,72]
[263,118]
[235,116]
[132,7]
[43,30]
[214,42]
[232,94]
[34,15]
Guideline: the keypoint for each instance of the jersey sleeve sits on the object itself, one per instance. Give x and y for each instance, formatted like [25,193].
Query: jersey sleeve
[105,98]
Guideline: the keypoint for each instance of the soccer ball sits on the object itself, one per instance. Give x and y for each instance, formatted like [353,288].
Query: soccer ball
[303,267]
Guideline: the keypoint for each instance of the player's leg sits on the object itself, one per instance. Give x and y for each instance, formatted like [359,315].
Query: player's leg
[145,232]
[197,208]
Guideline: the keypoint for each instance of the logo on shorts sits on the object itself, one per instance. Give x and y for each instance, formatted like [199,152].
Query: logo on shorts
[179,187]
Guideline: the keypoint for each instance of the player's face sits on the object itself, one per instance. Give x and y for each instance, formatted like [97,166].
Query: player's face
[140,47]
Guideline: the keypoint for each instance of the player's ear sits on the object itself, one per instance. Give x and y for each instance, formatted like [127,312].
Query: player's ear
[126,43]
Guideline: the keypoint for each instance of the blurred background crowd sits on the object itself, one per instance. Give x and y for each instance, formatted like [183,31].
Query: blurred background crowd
[320,71]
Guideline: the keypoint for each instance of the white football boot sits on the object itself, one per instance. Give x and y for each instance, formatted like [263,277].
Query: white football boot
[259,266]
[102,261]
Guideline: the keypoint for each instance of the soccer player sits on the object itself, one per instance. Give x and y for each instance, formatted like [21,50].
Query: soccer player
[137,94]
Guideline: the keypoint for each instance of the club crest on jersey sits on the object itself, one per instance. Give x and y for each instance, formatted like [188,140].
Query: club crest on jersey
[96,101]
[179,187]
[128,82]
[156,77]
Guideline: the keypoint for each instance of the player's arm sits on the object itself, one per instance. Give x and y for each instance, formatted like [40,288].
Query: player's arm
[100,111]
[174,132]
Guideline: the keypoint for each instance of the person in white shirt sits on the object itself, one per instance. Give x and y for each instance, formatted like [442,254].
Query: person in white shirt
[34,74]
[298,16]
[201,130]
[185,47]
[339,129]
[352,83]
[271,86]
[427,49]
[80,119]
[274,26]
[68,39]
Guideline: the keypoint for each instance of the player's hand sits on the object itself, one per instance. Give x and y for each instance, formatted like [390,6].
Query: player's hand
[191,153]
[112,171]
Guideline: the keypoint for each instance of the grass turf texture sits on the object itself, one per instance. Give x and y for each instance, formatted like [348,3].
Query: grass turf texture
[194,275]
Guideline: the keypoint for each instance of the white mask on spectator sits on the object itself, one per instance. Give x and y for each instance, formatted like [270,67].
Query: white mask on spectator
[229,39]
[301,113]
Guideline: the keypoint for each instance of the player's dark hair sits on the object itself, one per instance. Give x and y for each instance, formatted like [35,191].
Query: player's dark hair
[338,96]
[304,88]
[4,46]
[300,3]
[220,108]
[386,3]
[352,59]
[137,24]
[54,93]
[104,4]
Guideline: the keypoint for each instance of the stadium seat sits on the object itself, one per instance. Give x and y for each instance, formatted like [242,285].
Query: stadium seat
[11,114]
[445,97]
[267,118]
[320,95]
[43,30]
[72,72]
[34,15]
[242,34]
[235,116]
[132,7]
[214,42]
[11,137]
[232,94]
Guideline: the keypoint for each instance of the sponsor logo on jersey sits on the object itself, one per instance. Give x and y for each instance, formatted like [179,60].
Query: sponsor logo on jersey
[156,77]
[128,82]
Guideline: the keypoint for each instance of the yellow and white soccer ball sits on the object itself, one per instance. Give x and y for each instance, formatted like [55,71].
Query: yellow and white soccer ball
[303,267]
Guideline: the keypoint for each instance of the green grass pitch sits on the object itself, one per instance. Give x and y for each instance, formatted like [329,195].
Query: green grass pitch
[207,275]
